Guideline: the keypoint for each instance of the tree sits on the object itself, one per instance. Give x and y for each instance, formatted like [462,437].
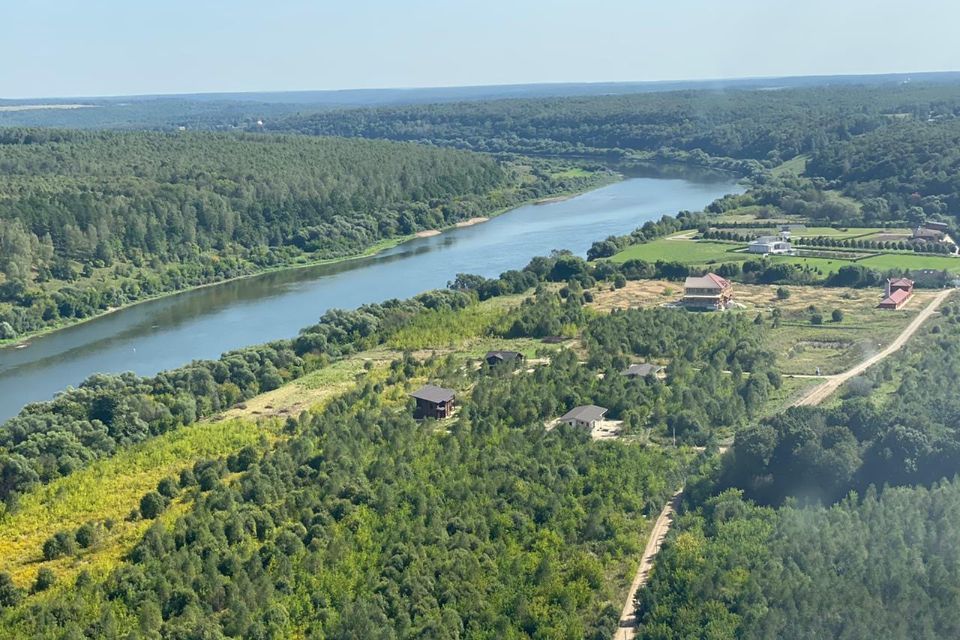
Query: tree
[152,505]
[837,315]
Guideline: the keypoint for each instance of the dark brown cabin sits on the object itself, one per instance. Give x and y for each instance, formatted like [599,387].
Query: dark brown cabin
[499,357]
[433,402]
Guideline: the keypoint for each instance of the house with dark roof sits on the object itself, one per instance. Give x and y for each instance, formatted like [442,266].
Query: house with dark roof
[641,370]
[499,357]
[433,402]
[708,291]
[585,416]
[896,293]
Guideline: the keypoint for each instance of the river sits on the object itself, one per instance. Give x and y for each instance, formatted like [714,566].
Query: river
[201,324]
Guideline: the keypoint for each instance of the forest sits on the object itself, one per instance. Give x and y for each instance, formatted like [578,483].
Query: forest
[93,220]
[765,126]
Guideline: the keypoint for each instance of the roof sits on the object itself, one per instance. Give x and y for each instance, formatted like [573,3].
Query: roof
[936,226]
[897,297]
[586,413]
[707,281]
[767,240]
[431,393]
[503,355]
[900,282]
[641,370]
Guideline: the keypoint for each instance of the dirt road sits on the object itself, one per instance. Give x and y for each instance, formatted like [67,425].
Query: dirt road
[627,628]
[821,392]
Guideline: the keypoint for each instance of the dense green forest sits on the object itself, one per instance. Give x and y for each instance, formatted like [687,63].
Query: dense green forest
[369,524]
[876,566]
[92,220]
[767,126]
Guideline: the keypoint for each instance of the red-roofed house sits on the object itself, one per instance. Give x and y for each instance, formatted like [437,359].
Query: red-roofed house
[898,291]
[709,291]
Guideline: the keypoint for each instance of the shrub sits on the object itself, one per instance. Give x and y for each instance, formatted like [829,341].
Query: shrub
[837,315]
[152,505]
[783,293]
[816,319]
[45,580]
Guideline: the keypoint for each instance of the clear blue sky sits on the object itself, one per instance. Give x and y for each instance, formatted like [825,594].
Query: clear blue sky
[101,47]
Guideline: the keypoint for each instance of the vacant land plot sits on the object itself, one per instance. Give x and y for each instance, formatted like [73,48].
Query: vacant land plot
[800,346]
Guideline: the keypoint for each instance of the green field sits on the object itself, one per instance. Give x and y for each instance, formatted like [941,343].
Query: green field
[686,251]
[796,166]
[908,261]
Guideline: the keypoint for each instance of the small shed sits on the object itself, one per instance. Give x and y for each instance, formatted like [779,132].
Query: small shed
[641,370]
[585,416]
[433,402]
[499,357]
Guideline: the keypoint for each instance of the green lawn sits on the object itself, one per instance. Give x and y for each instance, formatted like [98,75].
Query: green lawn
[686,251]
[909,261]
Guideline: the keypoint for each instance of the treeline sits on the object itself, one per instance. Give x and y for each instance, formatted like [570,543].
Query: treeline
[873,567]
[769,126]
[92,220]
[369,524]
[839,243]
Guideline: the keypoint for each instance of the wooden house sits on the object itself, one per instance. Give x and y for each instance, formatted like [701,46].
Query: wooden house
[433,402]
[494,358]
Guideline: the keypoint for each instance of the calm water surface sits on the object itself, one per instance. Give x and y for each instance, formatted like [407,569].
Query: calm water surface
[169,332]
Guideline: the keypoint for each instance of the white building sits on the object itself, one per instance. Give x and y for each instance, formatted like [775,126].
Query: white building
[770,244]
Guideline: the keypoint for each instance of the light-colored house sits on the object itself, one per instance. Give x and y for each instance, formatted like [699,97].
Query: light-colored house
[770,244]
[586,416]
[709,291]
[641,370]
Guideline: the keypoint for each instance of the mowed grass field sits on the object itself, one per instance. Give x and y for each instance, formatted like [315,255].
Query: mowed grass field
[675,249]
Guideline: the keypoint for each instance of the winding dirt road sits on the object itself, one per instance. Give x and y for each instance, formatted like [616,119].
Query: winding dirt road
[821,392]
[627,628]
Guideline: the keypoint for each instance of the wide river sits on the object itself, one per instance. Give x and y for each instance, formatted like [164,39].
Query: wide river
[169,332]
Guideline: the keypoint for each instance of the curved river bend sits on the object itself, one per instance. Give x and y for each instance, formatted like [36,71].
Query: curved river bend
[201,324]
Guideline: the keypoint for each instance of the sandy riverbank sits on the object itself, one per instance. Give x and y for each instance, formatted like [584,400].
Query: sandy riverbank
[471,222]
[427,233]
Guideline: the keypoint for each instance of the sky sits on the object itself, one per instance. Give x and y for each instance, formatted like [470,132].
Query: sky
[124,47]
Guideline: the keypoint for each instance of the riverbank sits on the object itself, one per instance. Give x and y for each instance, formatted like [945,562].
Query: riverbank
[23,342]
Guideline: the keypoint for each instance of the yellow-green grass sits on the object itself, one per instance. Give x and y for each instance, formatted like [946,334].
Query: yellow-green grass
[447,328]
[110,489]
[795,166]
[791,389]
[685,251]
